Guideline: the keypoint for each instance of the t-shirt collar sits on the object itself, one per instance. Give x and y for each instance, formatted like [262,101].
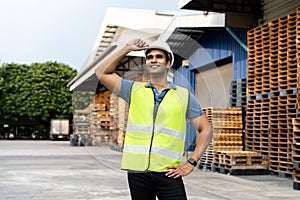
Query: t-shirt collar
[171,85]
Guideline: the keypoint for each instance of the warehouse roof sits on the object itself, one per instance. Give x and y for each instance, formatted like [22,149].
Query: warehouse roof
[241,6]
[243,14]
[120,25]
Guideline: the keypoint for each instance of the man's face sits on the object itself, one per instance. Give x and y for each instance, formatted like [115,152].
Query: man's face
[156,61]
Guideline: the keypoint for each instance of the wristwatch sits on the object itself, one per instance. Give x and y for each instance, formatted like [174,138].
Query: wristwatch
[192,161]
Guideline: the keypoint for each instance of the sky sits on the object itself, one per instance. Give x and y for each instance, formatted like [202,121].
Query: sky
[58,30]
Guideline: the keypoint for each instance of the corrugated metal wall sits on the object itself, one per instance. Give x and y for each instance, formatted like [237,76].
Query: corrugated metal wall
[218,45]
[274,9]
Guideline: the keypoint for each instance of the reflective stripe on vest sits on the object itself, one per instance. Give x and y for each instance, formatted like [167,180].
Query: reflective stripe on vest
[160,129]
[156,150]
[155,142]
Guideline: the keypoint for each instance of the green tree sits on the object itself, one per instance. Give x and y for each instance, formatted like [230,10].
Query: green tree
[37,92]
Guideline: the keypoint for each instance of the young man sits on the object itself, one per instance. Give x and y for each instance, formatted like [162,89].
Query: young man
[154,141]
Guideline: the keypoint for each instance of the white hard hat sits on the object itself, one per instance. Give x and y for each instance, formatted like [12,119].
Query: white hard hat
[161,45]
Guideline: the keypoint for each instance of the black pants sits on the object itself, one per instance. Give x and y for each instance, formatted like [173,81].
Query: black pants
[148,185]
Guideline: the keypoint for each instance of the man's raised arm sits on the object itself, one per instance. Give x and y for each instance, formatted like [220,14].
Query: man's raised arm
[105,70]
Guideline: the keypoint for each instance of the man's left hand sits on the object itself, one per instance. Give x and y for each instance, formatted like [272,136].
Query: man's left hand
[179,171]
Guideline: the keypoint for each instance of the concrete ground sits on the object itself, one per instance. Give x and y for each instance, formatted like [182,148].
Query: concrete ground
[55,170]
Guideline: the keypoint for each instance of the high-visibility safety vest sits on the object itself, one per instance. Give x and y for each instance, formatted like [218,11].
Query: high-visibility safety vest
[155,135]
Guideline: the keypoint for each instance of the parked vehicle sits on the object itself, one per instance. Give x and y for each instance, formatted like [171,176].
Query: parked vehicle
[59,129]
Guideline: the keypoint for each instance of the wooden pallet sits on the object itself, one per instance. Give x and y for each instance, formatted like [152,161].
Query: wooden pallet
[240,160]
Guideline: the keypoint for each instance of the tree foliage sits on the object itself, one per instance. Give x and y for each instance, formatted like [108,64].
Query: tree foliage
[36,92]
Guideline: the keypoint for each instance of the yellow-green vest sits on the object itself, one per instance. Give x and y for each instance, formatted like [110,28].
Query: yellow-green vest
[154,142]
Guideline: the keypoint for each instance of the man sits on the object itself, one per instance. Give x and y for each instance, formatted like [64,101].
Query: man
[154,141]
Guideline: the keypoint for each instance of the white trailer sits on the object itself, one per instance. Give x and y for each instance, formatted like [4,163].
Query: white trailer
[59,129]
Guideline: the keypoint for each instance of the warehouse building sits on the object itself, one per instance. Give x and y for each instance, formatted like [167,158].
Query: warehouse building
[241,60]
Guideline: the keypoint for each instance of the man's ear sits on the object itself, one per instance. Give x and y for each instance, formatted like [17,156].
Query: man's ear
[168,64]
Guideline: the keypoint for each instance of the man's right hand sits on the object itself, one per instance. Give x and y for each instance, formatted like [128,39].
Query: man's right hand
[137,45]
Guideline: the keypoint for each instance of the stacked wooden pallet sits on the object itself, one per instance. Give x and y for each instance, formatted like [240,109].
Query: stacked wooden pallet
[227,132]
[232,161]
[81,122]
[238,93]
[273,96]
[225,153]
[114,117]
[81,128]
[206,159]
[227,128]
[122,123]
[296,153]
[100,118]
[119,114]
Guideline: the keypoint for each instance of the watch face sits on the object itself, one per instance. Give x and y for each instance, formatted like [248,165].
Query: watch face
[192,161]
